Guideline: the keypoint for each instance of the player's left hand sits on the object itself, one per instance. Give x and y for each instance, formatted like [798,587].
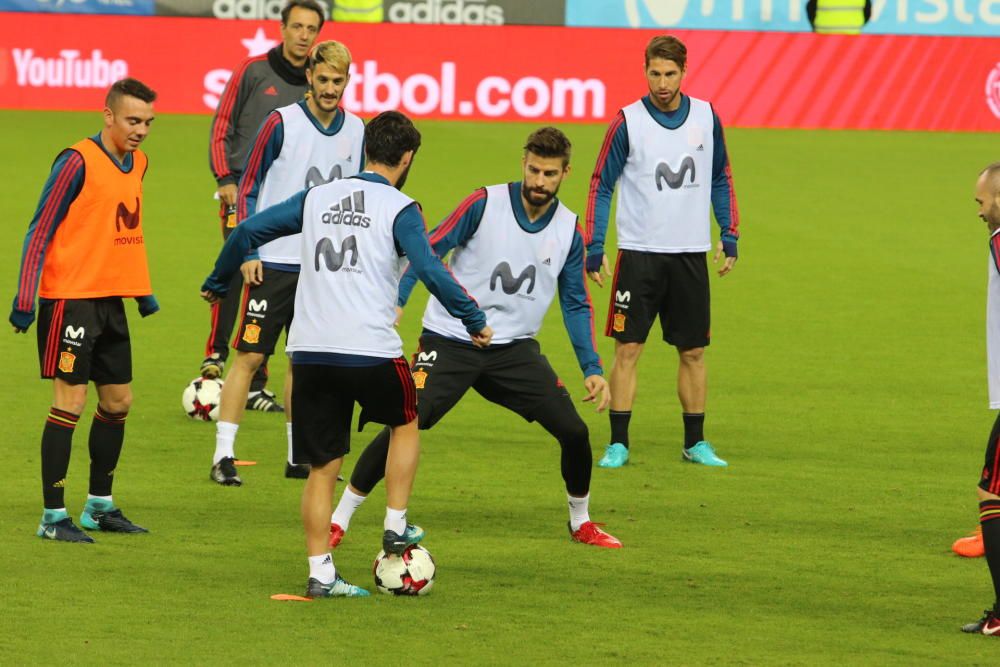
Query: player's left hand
[727,265]
[596,276]
[483,337]
[210,296]
[596,384]
[399,317]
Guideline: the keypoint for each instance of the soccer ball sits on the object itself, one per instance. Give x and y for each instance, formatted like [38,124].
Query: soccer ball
[409,574]
[201,399]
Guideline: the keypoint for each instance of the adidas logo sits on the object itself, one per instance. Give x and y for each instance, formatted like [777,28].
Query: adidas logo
[547,261]
[348,211]
[350,158]
[61,484]
[701,147]
[271,90]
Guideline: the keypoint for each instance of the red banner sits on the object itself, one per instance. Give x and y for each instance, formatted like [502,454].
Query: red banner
[551,74]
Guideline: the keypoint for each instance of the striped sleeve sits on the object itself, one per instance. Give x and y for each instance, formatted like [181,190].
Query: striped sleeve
[234,97]
[61,189]
[454,230]
[995,250]
[610,163]
[727,214]
[578,310]
[266,147]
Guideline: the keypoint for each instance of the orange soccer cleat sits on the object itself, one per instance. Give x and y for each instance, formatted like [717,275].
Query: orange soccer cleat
[590,533]
[971,546]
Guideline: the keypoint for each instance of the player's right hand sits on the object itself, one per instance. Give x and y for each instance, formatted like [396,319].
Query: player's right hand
[210,296]
[483,338]
[253,272]
[21,320]
[227,194]
[596,275]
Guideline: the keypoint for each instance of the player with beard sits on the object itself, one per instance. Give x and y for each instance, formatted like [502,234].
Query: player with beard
[514,245]
[988,198]
[298,146]
[258,86]
[667,155]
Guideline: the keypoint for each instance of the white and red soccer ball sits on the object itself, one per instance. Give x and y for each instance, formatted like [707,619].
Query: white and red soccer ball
[201,399]
[412,573]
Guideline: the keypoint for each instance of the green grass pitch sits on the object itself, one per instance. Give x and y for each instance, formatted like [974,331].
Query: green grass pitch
[847,390]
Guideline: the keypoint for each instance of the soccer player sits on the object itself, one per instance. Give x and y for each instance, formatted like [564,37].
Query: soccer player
[988,198]
[83,253]
[298,146]
[515,245]
[258,86]
[667,154]
[354,233]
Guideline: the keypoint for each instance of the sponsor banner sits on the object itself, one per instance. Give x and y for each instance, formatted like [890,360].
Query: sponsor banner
[132,7]
[228,9]
[962,18]
[754,79]
[476,12]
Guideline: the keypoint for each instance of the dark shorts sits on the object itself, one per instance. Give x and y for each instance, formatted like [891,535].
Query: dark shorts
[671,285]
[323,399]
[516,376]
[267,310]
[83,340]
[989,481]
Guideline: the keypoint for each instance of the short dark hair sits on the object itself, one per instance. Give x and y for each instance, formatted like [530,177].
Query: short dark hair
[131,88]
[992,175]
[304,4]
[549,142]
[667,48]
[389,135]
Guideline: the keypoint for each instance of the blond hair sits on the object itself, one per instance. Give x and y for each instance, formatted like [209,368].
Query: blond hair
[332,53]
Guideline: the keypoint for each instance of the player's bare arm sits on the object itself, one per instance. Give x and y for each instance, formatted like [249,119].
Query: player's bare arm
[598,391]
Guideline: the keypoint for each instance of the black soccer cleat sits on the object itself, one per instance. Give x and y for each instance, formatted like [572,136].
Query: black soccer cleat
[263,401]
[63,530]
[394,543]
[212,366]
[111,521]
[224,473]
[297,470]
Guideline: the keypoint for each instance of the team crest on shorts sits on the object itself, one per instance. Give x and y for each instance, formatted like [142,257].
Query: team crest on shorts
[66,362]
[419,378]
[251,334]
[619,322]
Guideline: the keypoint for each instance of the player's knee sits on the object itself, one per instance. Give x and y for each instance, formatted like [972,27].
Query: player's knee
[574,434]
[628,353]
[118,404]
[692,355]
[986,495]
[249,361]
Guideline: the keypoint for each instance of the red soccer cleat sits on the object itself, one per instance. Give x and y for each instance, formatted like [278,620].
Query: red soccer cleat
[971,546]
[589,533]
[336,535]
[989,624]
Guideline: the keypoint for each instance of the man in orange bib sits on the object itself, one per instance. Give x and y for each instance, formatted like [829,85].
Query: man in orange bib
[83,253]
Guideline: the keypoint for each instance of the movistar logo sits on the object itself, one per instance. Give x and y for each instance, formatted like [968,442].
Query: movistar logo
[334,259]
[674,179]
[427,356]
[623,297]
[76,333]
[315,177]
[126,217]
[255,306]
[510,284]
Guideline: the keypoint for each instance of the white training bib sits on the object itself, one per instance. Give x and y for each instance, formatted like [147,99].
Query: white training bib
[993,330]
[665,190]
[308,157]
[513,274]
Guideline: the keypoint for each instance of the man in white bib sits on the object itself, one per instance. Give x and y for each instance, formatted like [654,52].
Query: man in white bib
[988,197]
[667,155]
[354,234]
[513,246]
[297,147]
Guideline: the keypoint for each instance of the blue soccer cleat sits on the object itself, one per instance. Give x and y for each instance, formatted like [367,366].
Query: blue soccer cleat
[337,589]
[703,453]
[615,456]
[102,515]
[57,525]
[394,543]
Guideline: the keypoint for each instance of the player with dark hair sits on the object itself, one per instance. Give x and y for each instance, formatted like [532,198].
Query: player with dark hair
[258,86]
[667,155]
[84,251]
[299,146]
[514,245]
[343,345]
[988,198]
